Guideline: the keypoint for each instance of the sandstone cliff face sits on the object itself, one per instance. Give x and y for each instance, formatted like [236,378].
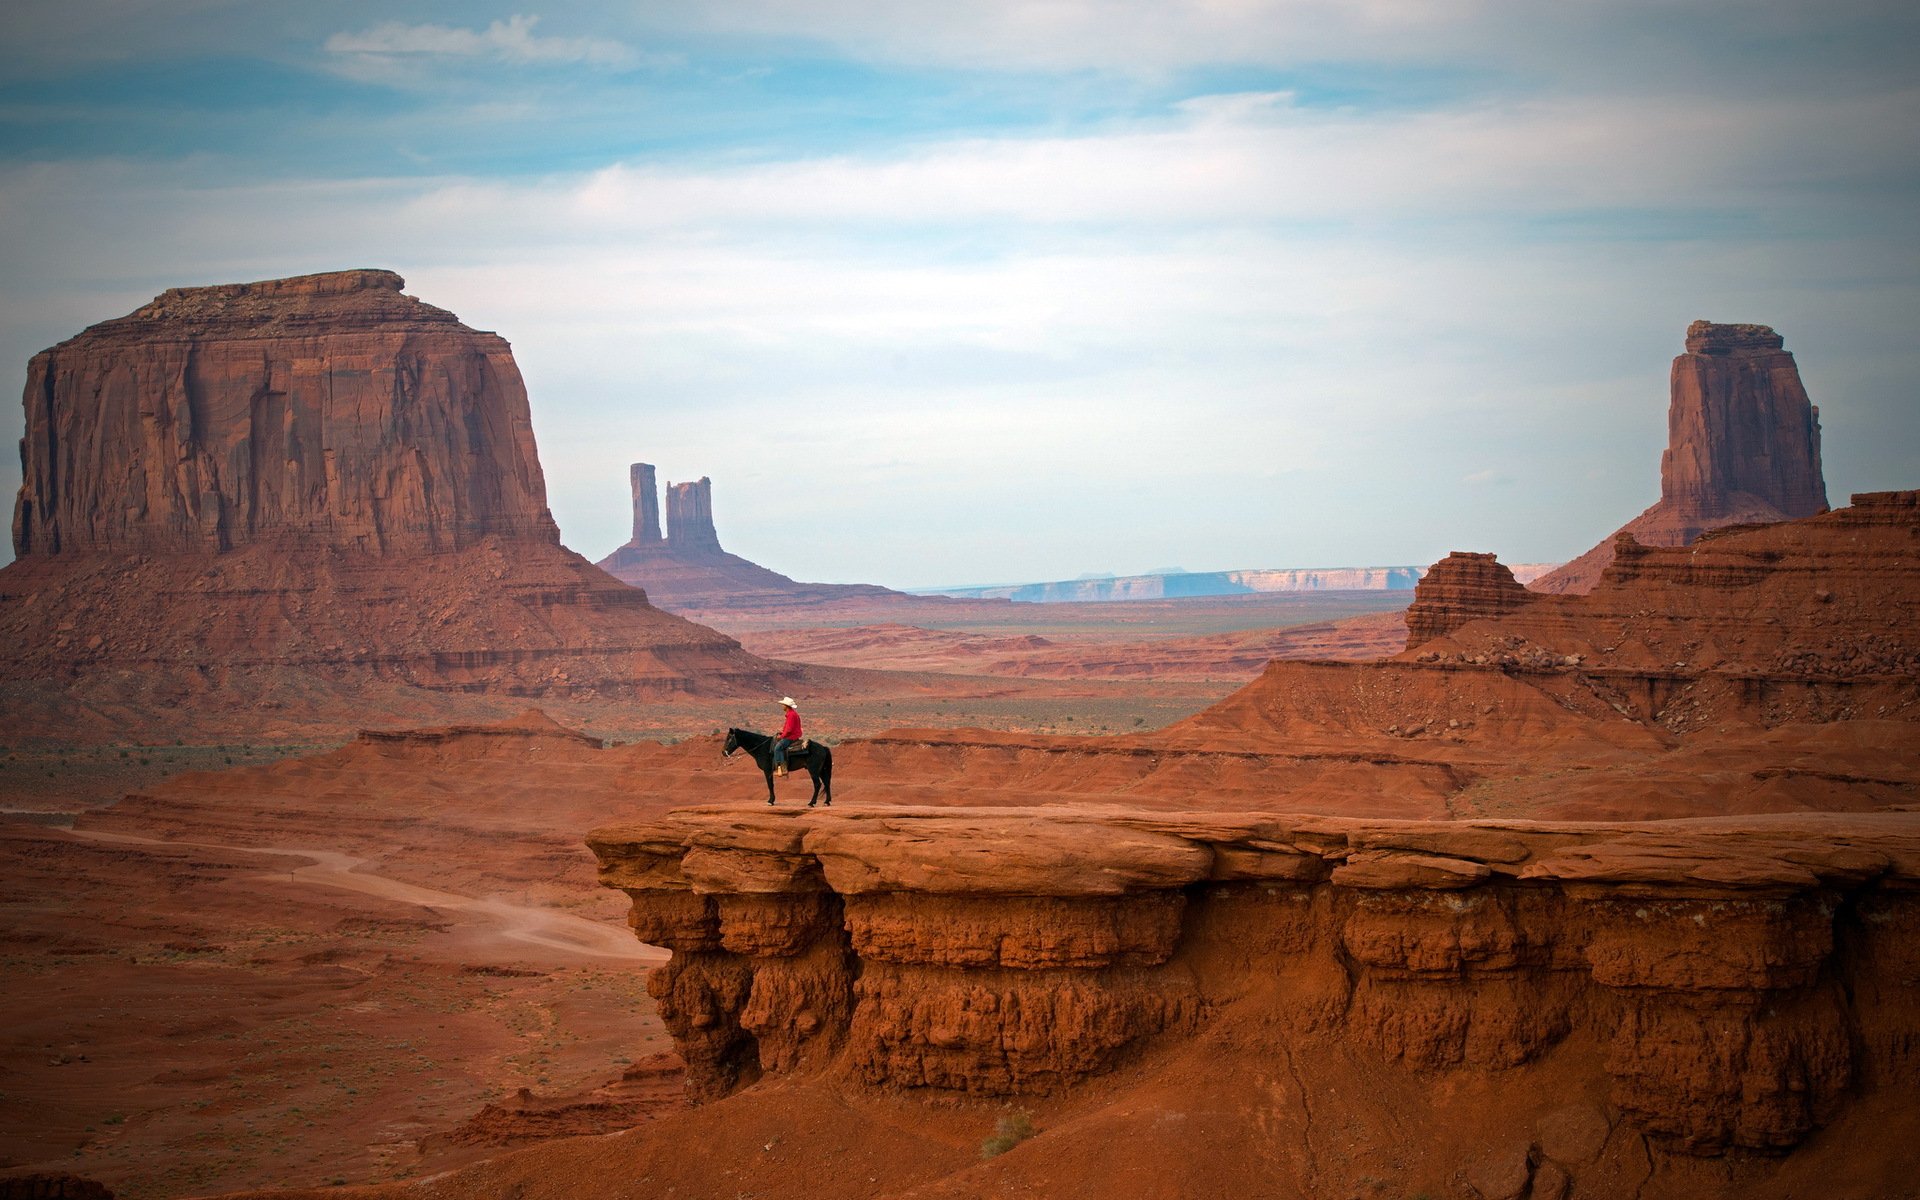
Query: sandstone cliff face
[1727,988]
[1743,447]
[328,408]
[1462,587]
[690,516]
[256,487]
[1740,427]
[646,505]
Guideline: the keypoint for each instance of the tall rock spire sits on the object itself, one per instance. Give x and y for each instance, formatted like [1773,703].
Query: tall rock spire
[1740,427]
[646,505]
[1743,448]
[690,516]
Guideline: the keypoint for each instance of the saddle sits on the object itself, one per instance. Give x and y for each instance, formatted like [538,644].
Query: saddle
[801,746]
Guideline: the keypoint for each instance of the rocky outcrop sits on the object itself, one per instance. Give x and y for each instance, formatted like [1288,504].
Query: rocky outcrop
[1462,587]
[1816,618]
[1740,426]
[646,505]
[690,517]
[1728,985]
[326,409]
[1743,447]
[320,475]
[688,572]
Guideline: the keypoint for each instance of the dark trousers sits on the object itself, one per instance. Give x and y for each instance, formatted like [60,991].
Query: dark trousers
[780,745]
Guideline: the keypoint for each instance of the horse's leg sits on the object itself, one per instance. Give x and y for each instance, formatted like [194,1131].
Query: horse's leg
[826,779]
[815,798]
[767,770]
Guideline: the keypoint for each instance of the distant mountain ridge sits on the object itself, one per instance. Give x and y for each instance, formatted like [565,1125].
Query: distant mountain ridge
[1183,584]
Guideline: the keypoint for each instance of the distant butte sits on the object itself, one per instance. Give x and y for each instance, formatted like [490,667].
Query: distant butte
[236,488]
[1743,448]
[687,571]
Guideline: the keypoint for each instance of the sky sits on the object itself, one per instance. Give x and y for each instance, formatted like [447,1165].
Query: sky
[1007,290]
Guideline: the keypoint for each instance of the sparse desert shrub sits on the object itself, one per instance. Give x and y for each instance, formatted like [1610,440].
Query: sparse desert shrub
[1009,1131]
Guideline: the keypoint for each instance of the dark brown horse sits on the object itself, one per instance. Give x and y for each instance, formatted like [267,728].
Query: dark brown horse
[816,759]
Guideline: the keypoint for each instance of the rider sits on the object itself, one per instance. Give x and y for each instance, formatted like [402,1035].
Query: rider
[788,735]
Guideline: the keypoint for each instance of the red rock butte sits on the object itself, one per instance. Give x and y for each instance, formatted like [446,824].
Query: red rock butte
[328,409]
[688,572]
[320,474]
[1743,447]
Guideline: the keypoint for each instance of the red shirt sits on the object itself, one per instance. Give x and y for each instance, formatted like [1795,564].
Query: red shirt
[791,728]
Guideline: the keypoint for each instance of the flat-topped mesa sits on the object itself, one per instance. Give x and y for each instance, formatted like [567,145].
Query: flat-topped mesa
[690,516]
[646,505]
[306,487]
[1726,984]
[1462,587]
[1743,447]
[326,409]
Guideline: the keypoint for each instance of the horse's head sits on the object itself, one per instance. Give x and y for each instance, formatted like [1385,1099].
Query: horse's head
[732,743]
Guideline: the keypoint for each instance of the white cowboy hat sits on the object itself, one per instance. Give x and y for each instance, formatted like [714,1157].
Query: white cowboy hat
[787,702]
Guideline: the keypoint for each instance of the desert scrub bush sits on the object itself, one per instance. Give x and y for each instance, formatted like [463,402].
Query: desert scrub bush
[1009,1131]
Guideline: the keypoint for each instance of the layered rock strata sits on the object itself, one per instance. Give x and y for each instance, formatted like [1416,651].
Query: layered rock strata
[1731,986]
[318,474]
[1462,587]
[328,409]
[1816,620]
[1828,607]
[1743,447]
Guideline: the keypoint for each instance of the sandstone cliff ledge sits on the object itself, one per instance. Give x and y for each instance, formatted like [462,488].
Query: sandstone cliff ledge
[1698,989]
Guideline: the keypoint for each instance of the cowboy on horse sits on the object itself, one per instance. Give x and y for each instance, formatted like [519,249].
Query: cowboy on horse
[771,754]
[788,735]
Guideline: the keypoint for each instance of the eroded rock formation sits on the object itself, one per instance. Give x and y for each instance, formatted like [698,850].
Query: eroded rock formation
[1818,617]
[688,572]
[1462,587]
[329,409]
[1761,669]
[321,475]
[690,517]
[646,505]
[1727,986]
[1743,447]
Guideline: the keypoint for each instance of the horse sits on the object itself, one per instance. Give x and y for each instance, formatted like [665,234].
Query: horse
[816,758]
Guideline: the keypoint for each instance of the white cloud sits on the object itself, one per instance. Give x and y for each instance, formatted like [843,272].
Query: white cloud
[512,41]
[1270,334]
[1262,158]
